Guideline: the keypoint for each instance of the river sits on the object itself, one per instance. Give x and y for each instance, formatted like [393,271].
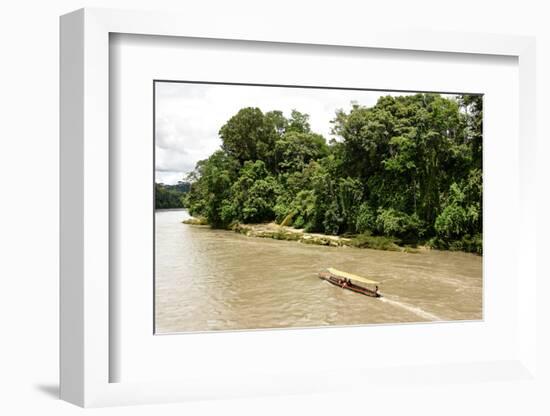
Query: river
[219,280]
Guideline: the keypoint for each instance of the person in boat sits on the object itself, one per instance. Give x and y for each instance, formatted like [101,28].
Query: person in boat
[376,290]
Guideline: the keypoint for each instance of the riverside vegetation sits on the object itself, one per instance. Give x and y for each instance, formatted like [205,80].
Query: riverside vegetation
[404,172]
[170,196]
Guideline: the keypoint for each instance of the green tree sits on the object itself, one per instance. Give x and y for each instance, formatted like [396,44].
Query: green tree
[295,150]
[407,168]
[254,193]
[171,196]
[249,135]
[212,180]
[298,123]
[472,106]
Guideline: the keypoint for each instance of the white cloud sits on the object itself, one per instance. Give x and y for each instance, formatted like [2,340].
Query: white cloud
[189,116]
[168,177]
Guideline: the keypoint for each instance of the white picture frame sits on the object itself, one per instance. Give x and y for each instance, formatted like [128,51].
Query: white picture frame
[85,265]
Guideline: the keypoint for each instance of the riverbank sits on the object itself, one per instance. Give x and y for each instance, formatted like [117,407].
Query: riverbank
[281,232]
[275,231]
[195,221]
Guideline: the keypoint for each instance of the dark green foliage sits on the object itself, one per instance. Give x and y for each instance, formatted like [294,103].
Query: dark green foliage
[473,106]
[408,227]
[366,219]
[170,196]
[461,216]
[254,194]
[375,242]
[294,150]
[467,242]
[211,190]
[251,135]
[407,169]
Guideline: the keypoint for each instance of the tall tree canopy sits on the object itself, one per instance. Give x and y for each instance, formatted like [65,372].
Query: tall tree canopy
[409,167]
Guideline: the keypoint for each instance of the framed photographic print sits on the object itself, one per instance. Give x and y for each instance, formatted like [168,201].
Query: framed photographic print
[259,189]
[260,214]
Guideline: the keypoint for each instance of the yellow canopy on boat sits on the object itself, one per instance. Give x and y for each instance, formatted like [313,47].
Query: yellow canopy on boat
[350,276]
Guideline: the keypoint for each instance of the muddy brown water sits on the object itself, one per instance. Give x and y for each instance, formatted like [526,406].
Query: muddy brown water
[219,280]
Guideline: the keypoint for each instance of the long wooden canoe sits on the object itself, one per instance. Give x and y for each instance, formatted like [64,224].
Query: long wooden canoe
[347,280]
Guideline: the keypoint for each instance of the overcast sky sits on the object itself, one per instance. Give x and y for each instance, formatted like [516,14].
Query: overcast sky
[189,117]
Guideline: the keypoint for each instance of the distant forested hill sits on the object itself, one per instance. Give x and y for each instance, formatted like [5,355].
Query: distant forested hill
[170,196]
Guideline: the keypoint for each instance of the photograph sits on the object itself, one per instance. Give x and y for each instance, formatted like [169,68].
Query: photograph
[282,206]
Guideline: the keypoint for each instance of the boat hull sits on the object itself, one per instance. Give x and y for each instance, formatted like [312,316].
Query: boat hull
[337,281]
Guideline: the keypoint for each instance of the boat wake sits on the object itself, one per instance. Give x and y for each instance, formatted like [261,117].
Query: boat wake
[414,309]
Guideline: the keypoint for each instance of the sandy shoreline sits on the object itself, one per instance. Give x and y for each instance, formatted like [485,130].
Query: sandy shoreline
[282,232]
